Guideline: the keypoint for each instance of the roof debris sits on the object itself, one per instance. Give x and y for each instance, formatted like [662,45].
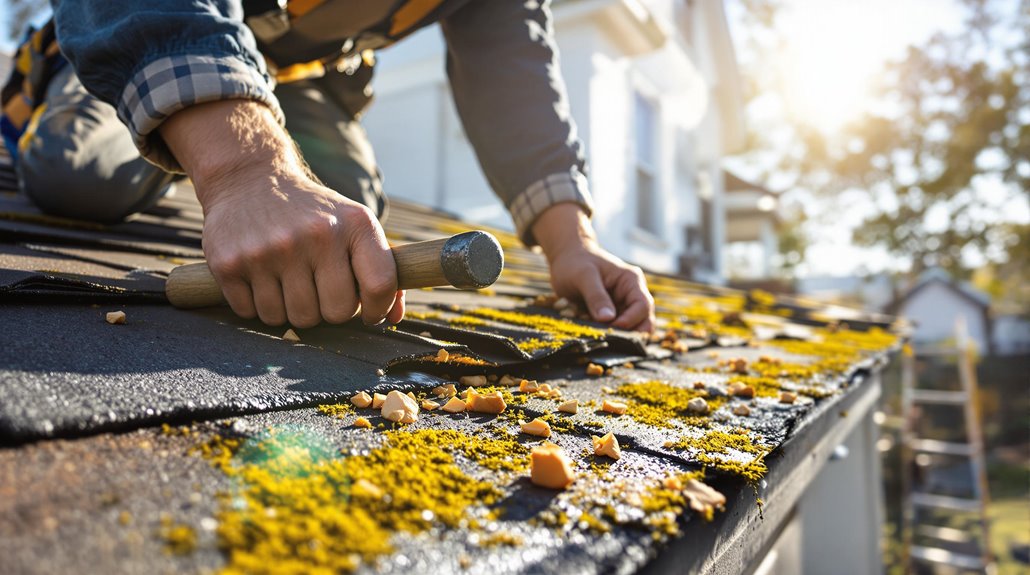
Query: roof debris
[537,427]
[115,317]
[614,407]
[362,399]
[607,446]
[550,467]
[400,408]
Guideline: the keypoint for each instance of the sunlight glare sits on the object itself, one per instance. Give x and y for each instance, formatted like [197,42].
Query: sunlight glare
[835,51]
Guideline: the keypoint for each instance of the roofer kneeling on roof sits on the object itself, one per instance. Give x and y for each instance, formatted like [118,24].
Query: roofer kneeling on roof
[258,103]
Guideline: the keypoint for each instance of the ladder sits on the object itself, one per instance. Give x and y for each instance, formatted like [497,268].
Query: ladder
[943,532]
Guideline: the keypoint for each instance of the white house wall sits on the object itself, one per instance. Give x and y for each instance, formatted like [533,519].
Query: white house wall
[425,156]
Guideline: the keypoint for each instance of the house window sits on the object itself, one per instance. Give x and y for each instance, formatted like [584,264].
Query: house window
[645,117]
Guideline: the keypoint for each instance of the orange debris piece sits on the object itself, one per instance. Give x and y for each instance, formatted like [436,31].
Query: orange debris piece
[549,467]
[607,446]
[527,386]
[377,400]
[486,402]
[361,400]
[455,405]
[446,390]
[400,408]
[537,427]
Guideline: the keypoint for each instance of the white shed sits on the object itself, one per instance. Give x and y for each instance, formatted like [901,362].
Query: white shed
[936,303]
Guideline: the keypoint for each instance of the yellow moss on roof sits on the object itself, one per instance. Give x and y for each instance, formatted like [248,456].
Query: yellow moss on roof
[660,404]
[180,539]
[715,443]
[845,346]
[466,321]
[750,470]
[337,410]
[664,506]
[536,344]
[505,538]
[557,328]
[721,441]
[297,509]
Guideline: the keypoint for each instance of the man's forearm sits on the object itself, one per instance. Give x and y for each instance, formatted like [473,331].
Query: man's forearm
[220,140]
[561,227]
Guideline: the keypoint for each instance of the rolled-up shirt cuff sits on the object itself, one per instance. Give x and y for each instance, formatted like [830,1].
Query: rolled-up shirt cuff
[171,83]
[563,187]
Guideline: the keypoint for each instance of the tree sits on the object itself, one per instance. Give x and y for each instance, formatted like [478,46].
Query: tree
[946,151]
[21,13]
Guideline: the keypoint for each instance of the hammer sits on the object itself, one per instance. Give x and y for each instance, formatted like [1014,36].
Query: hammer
[469,260]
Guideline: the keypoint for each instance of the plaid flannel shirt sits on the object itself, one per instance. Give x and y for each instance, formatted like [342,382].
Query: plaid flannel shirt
[151,60]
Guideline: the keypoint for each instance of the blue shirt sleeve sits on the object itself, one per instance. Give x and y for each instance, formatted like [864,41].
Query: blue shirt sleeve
[152,59]
[503,67]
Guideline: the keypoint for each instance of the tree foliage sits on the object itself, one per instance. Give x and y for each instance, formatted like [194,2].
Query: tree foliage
[21,13]
[946,149]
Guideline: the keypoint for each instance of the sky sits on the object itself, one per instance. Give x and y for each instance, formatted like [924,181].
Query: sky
[828,66]
[7,45]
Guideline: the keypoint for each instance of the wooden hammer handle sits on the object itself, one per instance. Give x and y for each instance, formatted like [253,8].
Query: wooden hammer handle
[418,266]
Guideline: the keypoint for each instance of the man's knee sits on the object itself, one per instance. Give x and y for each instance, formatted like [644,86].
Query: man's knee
[61,187]
[78,160]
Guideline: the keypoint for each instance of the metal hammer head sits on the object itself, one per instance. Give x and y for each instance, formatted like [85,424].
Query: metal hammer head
[472,260]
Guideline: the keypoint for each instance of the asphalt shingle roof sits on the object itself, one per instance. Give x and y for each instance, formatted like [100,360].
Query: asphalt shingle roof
[71,493]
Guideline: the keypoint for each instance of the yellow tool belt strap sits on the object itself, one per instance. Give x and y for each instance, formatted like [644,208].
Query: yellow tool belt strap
[410,14]
[404,18]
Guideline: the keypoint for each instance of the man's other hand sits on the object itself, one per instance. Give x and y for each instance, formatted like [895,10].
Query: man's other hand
[282,246]
[613,291]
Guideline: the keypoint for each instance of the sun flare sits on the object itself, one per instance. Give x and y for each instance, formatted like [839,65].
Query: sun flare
[834,52]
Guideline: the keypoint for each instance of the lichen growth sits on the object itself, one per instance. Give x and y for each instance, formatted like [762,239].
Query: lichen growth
[536,344]
[500,538]
[560,424]
[337,410]
[300,507]
[736,452]
[843,345]
[660,404]
[721,441]
[179,539]
[552,325]
[466,321]
[752,470]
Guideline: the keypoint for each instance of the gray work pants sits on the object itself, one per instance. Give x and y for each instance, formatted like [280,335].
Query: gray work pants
[81,162]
